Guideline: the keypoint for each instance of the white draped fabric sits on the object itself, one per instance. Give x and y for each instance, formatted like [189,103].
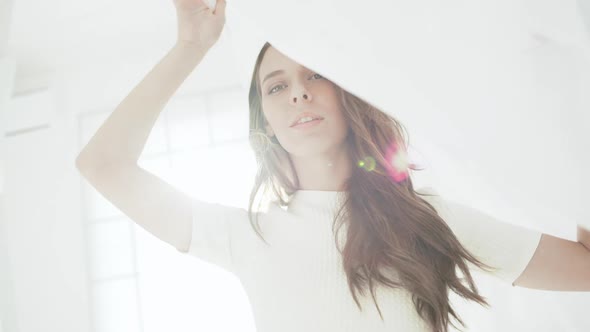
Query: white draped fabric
[495,96]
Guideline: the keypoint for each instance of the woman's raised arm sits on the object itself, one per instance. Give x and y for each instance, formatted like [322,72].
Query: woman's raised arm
[109,160]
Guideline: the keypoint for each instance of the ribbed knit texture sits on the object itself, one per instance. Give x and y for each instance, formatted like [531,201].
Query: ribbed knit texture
[298,284]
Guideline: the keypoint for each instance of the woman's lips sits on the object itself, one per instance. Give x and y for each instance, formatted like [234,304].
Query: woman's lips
[308,124]
[305,115]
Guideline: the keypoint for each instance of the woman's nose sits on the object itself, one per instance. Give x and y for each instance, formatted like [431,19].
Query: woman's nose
[300,96]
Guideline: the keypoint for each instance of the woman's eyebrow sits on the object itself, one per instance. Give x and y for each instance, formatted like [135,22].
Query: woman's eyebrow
[272,74]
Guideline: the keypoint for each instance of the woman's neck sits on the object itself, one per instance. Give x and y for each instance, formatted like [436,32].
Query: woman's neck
[327,172]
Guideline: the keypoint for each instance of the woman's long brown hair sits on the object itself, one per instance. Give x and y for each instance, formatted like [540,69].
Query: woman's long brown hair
[395,229]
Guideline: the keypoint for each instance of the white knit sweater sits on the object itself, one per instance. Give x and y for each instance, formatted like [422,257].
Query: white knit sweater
[297,283]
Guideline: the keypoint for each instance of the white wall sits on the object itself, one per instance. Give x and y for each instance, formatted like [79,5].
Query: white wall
[7,317]
[42,232]
[7,310]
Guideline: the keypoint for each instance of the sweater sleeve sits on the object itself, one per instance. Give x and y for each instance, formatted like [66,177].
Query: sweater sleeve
[213,233]
[505,246]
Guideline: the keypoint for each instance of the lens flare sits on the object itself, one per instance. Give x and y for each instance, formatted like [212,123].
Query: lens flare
[397,163]
[368,164]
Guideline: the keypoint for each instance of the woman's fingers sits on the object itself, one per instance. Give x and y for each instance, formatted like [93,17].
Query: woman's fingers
[220,8]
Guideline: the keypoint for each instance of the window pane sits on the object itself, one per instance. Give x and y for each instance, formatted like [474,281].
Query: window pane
[229,115]
[159,165]
[90,124]
[110,249]
[182,294]
[97,206]
[201,294]
[187,123]
[222,174]
[156,142]
[115,306]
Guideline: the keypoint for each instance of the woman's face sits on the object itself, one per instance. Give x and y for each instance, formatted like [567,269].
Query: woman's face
[290,91]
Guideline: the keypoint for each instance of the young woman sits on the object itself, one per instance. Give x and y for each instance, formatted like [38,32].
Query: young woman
[341,215]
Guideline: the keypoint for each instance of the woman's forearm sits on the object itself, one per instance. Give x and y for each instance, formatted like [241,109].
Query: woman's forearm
[122,137]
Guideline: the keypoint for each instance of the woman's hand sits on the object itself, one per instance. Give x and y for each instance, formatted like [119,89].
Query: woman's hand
[198,24]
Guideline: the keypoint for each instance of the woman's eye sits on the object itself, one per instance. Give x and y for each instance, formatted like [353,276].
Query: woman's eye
[273,88]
